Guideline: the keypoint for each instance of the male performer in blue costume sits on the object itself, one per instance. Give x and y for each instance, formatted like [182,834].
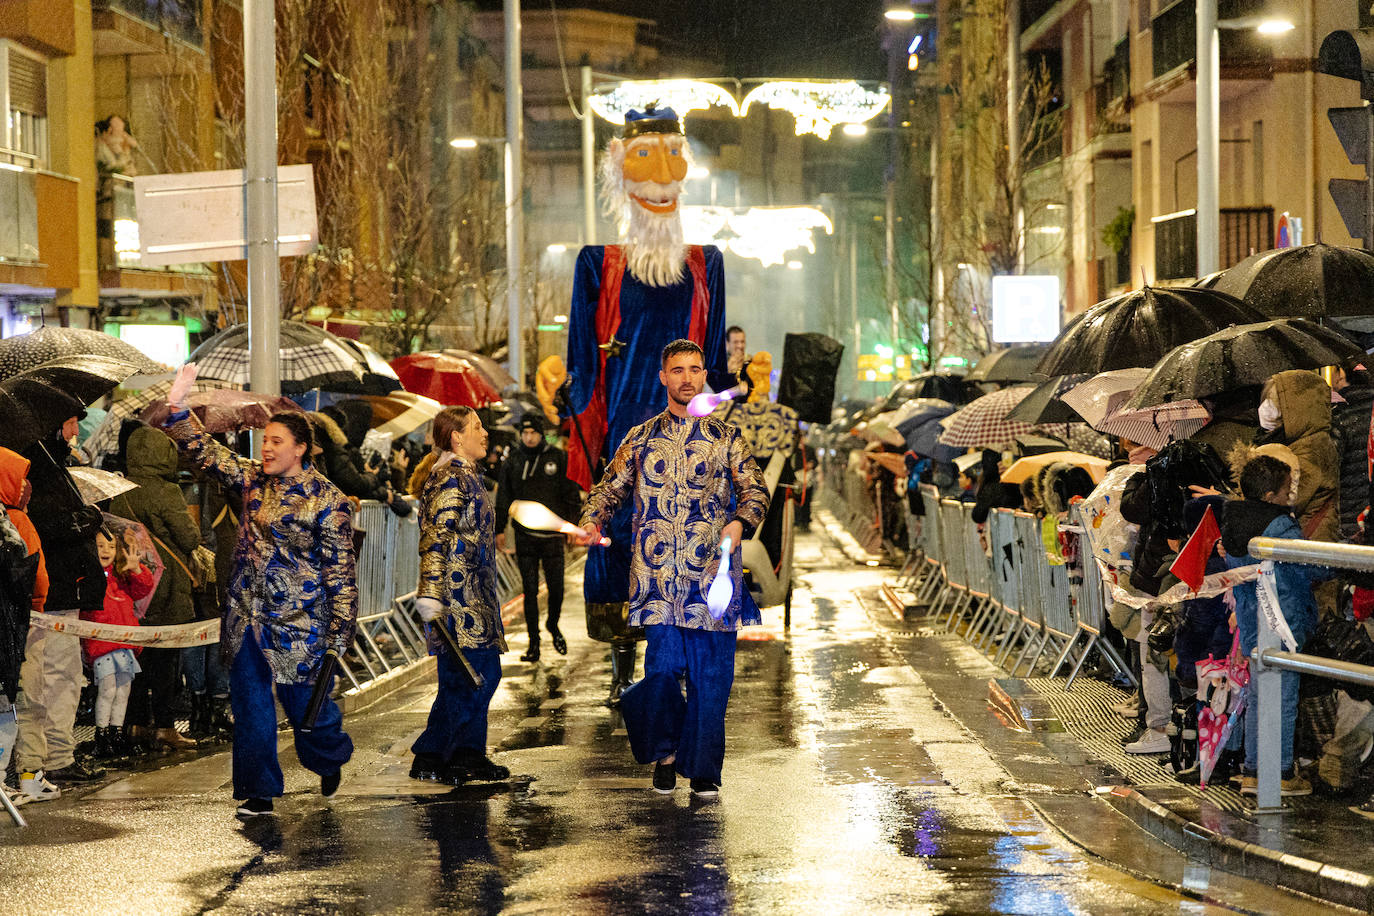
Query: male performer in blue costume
[628,302]
[694,489]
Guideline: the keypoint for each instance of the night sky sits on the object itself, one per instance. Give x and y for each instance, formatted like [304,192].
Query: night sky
[823,39]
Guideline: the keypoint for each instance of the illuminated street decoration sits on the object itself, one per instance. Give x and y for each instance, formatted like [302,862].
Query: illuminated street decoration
[819,106]
[680,95]
[765,234]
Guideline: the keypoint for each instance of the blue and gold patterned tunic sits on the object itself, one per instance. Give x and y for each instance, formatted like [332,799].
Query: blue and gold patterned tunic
[294,577]
[690,477]
[458,555]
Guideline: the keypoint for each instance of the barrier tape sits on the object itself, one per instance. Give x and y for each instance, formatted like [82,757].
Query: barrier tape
[179,636]
[1268,593]
[1212,586]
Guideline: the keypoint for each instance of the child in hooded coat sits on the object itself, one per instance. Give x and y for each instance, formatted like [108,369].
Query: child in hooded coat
[1265,484]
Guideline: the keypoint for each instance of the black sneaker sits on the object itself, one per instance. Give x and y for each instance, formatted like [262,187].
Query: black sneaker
[329,783]
[665,778]
[77,771]
[704,788]
[427,766]
[254,807]
[484,769]
[560,645]
[531,654]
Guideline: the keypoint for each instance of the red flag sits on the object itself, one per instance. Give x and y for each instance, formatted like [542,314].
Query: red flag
[1191,564]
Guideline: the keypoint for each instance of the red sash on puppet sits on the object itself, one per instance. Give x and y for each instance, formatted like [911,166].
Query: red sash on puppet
[593,420]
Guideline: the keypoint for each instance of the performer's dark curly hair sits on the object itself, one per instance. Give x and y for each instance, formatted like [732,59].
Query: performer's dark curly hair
[681,346]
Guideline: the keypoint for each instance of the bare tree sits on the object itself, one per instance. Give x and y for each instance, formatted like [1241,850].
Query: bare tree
[992,198]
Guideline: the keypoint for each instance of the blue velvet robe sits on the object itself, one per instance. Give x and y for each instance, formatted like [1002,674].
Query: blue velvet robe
[650,319]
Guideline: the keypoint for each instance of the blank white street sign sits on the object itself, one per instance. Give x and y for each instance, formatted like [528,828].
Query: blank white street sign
[199,216]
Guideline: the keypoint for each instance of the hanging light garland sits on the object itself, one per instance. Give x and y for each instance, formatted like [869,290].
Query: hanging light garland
[680,95]
[819,106]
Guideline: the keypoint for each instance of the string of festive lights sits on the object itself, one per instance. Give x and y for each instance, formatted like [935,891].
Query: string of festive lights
[817,105]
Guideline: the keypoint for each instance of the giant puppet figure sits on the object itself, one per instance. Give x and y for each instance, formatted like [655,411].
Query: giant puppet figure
[628,302]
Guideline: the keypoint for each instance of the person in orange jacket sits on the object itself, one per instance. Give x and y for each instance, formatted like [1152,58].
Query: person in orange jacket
[14,495]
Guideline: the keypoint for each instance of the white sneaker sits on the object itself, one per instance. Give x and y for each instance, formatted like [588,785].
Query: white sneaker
[1154,741]
[16,797]
[37,787]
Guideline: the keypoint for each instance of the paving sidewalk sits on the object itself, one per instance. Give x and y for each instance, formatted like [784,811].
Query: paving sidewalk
[1316,846]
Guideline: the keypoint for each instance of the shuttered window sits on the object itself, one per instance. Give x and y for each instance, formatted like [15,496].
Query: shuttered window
[28,84]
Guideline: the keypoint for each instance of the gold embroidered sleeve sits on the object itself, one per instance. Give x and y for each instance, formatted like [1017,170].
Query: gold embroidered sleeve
[751,495]
[616,484]
[232,471]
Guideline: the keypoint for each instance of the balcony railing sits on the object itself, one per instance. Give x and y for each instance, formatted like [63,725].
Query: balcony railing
[177,18]
[1174,35]
[1243,230]
[18,208]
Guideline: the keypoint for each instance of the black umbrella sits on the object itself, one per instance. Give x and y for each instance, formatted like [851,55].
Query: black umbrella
[86,378]
[1013,364]
[1244,355]
[377,375]
[1138,328]
[27,351]
[311,358]
[952,388]
[1043,405]
[32,410]
[1312,281]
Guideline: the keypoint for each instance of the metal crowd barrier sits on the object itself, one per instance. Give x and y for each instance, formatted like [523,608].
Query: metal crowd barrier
[391,635]
[1011,601]
[1269,661]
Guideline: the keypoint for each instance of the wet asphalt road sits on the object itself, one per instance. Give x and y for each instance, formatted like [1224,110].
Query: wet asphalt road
[849,787]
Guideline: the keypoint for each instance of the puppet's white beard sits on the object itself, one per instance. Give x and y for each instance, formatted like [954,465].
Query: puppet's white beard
[654,248]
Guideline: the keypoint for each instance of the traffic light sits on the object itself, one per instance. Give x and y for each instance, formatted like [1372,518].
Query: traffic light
[1349,54]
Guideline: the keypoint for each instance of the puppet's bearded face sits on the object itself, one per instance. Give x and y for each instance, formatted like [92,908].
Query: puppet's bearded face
[653,170]
[642,182]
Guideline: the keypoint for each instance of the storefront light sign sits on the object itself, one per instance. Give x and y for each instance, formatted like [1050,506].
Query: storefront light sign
[1025,309]
[164,343]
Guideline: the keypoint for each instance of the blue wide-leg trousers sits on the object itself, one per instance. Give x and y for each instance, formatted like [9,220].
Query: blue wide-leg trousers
[458,719]
[257,772]
[660,721]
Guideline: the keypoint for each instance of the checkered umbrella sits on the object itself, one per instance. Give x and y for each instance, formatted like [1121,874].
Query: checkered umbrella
[28,351]
[311,357]
[984,423]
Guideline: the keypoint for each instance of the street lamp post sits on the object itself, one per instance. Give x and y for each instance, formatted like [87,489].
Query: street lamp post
[260,196]
[1208,101]
[515,216]
[1208,89]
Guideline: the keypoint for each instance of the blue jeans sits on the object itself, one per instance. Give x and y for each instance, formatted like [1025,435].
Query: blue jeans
[322,750]
[458,718]
[203,671]
[657,718]
[1288,693]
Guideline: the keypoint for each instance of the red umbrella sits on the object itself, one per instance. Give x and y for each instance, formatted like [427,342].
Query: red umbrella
[490,369]
[445,378]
